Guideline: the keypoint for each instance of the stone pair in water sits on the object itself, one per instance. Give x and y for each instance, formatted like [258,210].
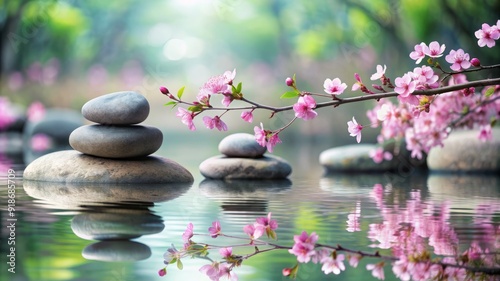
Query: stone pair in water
[118,150]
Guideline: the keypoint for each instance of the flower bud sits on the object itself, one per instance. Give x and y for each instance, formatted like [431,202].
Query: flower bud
[287,271]
[356,76]
[378,87]
[164,90]
[289,82]
[162,272]
[475,62]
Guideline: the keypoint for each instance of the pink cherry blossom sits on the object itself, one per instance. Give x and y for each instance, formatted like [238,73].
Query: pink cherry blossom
[254,231]
[403,268]
[226,252]
[260,135]
[405,85]
[485,133]
[217,85]
[305,238]
[226,270]
[215,229]
[171,254]
[304,108]
[211,270]
[186,117]
[333,265]
[188,234]
[354,129]
[418,54]
[380,72]
[487,35]
[247,116]
[267,224]
[354,259]
[229,76]
[378,155]
[434,50]
[227,100]
[385,112]
[274,139]
[303,251]
[458,59]
[377,270]
[424,77]
[334,87]
[215,122]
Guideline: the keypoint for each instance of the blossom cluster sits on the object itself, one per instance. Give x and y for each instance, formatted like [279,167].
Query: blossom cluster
[402,232]
[423,119]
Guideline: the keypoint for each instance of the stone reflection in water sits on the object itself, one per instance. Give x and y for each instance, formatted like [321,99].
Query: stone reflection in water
[76,195]
[112,214]
[116,250]
[473,185]
[111,223]
[244,195]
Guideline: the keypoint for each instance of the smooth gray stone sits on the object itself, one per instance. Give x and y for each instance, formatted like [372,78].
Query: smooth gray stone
[463,152]
[266,167]
[71,166]
[116,250]
[116,141]
[352,158]
[112,224]
[120,108]
[241,145]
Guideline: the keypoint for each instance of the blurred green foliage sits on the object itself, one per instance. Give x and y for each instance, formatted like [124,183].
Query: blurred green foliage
[81,33]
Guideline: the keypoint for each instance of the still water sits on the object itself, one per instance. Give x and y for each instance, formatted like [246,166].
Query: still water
[58,227]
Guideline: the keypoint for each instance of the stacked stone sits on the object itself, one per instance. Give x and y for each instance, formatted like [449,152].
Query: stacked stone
[115,150]
[243,158]
[116,135]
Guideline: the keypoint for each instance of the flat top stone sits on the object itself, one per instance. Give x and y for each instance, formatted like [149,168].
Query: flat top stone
[241,145]
[71,166]
[120,108]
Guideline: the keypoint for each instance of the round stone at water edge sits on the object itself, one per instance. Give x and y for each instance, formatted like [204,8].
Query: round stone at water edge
[241,145]
[266,167]
[116,141]
[120,108]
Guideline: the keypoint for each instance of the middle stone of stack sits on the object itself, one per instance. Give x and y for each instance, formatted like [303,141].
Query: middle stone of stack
[116,135]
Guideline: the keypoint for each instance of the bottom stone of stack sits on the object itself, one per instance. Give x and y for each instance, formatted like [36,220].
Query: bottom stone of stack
[71,166]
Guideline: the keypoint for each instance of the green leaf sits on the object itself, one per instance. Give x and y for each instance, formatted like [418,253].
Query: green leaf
[173,103]
[289,94]
[173,261]
[179,264]
[238,89]
[180,92]
[489,92]
[194,108]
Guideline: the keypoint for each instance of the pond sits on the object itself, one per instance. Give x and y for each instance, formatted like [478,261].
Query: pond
[57,226]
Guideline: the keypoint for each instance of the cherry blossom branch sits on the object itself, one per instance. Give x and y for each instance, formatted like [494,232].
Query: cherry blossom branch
[337,102]
[306,249]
